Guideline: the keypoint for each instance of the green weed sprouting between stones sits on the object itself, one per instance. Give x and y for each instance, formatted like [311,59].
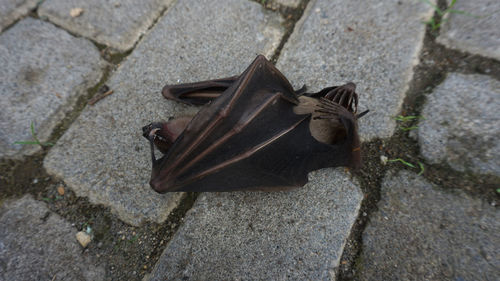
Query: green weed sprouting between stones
[35,138]
[434,24]
[402,161]
[498,190]
[420,164]
[404,119]
[422,169]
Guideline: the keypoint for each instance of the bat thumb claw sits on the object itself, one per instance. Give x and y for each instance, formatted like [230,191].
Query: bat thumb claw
[362,114]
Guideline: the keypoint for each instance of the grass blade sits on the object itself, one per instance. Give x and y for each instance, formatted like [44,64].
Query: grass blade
[402,161]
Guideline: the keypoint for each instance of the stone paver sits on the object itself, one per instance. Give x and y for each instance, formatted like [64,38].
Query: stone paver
[36,244]
[477,31]
[11,10]
[295,235]
[118,24]
[44,70]
[374,44]
[462,125]
[110,160]
[422,232]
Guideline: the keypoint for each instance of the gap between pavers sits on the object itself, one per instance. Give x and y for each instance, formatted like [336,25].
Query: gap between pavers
[44,70]
[375,44]
[103,155]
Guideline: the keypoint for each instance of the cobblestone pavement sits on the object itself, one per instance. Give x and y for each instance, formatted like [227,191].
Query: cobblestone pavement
[423,207]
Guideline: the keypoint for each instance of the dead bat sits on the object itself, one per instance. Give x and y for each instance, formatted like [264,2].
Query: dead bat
[254,133]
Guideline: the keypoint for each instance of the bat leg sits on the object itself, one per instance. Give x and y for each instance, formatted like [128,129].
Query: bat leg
[198,93]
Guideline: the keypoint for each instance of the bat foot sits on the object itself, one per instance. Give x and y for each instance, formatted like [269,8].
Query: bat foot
[345,96]
[331,110]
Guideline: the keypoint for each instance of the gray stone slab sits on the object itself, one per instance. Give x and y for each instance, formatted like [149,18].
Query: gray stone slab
[461,125]
[110,160]
[44,70]
[118,24]
[36,244]
[477,31]
[295,235]
[11,10]
[422,232]
[374,44]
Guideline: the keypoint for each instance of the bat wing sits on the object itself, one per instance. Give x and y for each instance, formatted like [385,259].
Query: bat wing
[198,93]
[248,138]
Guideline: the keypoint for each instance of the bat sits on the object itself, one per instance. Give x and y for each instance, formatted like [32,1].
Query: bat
[254,133]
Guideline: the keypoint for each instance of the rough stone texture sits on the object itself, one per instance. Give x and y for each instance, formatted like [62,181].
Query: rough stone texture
[296,235]
[288,3]
[36,244]
[422,232]
[110,160]
[44,70]
[477,31]
[461,125]
[11,10]
[374,44]
[118,24]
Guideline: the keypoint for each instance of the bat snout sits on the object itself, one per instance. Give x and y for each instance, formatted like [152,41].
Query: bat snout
[146,130]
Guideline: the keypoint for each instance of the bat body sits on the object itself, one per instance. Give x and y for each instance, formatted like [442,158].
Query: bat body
[254,132]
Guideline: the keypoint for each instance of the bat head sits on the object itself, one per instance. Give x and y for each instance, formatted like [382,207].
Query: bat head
[159,134]
[164,134]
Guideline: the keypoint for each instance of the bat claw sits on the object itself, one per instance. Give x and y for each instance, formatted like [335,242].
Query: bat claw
[345,96]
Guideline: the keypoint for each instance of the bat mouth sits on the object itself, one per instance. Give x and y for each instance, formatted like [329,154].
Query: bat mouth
[146,130]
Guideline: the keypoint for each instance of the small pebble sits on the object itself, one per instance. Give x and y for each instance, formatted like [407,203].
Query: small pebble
[75,12]
[383,159]
[60,190]
[83,238]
